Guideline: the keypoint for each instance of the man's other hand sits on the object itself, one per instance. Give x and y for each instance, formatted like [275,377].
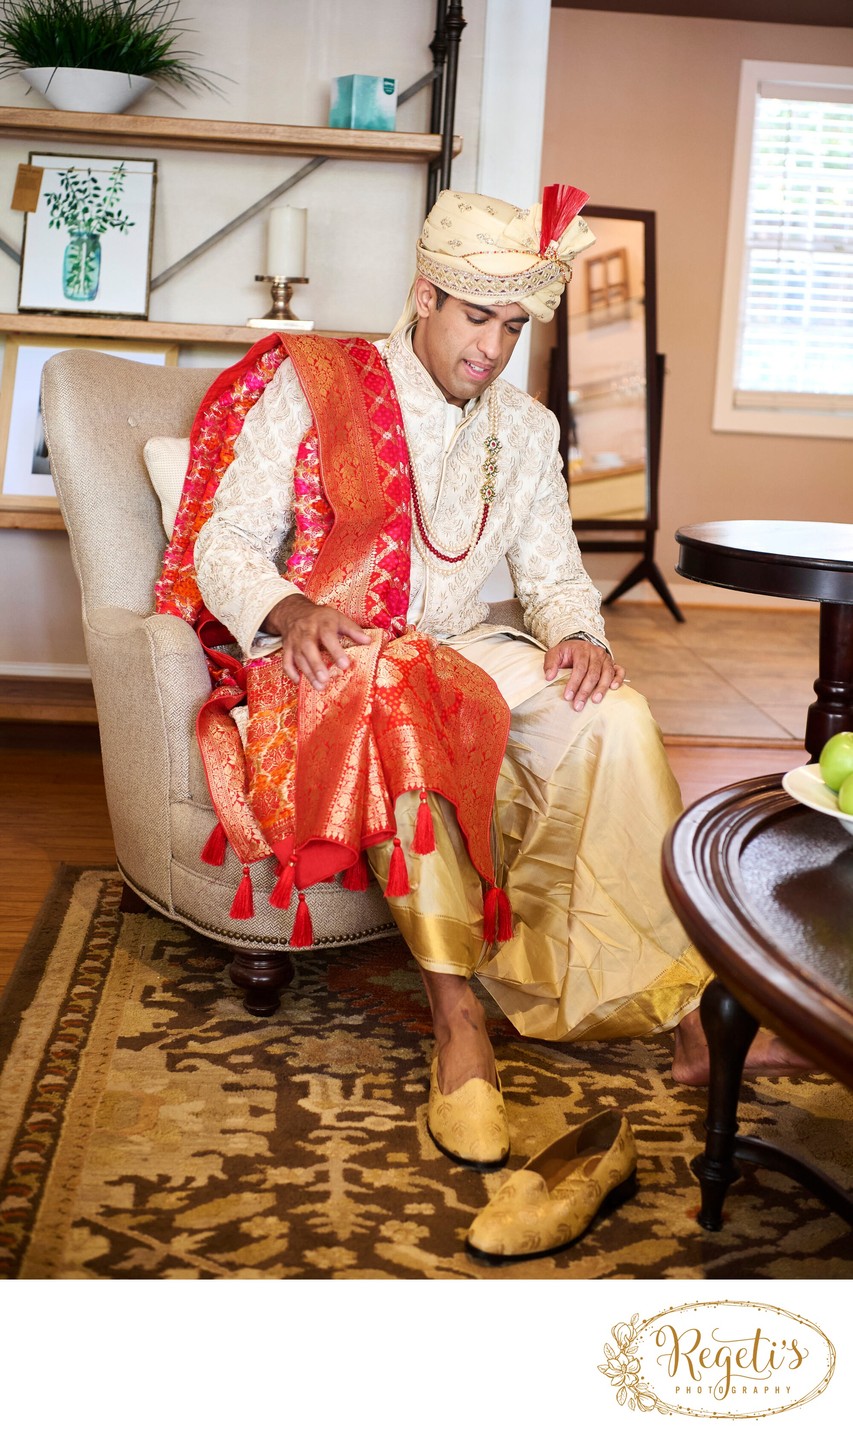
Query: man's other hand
[311,638]
[593,671]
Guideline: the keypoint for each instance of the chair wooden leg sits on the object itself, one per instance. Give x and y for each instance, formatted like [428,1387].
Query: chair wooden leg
[261,975]
[130,902]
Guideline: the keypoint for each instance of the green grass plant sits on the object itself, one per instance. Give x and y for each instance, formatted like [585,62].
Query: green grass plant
[134,37]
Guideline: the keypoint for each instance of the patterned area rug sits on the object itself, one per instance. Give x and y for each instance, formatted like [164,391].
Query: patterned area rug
[149,1128]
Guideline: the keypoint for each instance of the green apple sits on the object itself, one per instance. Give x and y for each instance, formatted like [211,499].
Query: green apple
[845,795]
[836,760]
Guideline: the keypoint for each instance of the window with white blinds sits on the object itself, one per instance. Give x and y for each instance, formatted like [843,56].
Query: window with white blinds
[786,340]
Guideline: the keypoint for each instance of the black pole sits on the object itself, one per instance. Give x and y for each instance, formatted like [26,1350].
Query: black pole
[439,57]
[455,25]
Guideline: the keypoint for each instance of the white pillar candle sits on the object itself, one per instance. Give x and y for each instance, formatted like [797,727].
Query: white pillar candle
[286,242]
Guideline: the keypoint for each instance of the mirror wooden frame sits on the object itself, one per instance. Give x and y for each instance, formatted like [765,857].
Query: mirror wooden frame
[644,529]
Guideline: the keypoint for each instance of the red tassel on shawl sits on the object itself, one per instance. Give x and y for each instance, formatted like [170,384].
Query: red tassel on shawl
[214,849]
[398,874]
[560,204]
[283,891]
[303,932]
[424,839]
[357,877]
[497,916]
[243,905]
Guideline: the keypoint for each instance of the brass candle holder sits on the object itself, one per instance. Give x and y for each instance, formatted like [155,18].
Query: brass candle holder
[280,314]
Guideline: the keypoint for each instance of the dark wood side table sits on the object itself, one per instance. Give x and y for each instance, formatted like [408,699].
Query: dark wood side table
[789,560]
[764,888]
[734,864]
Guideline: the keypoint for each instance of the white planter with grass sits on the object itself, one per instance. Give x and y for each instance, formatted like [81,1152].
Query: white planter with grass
[100,92]
[98,55]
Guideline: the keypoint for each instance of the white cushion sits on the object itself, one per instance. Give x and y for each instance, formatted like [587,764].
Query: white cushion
[167,461]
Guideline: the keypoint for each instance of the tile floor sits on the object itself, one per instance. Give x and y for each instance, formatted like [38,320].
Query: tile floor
[725,674]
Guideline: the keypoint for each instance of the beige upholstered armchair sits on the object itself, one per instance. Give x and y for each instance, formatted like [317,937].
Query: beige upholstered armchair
[150,676]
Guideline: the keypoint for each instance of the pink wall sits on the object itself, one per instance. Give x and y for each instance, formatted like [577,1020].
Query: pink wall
[640,111]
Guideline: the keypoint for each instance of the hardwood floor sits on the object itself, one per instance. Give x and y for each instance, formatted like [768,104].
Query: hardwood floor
[54,808]
[54,811]
[701,769]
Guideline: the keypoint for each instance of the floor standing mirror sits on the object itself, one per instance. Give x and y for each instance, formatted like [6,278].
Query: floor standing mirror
[606,390]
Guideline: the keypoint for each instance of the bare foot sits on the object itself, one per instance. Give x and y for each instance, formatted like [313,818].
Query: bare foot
[462,1042]
[768,1055]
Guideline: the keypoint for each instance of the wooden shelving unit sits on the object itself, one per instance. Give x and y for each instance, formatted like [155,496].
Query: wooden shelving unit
[59,326]
[90,327]
[48,127]
[220,136]
[169,132]
[22,518]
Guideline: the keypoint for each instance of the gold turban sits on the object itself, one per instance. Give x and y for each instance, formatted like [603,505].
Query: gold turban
[490,252]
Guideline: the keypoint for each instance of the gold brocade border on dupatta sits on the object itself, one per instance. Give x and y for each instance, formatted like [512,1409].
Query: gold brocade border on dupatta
[226,772]
[348,463]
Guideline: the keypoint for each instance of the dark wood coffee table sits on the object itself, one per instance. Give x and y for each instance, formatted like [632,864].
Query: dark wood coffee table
[789,560]
[764,887]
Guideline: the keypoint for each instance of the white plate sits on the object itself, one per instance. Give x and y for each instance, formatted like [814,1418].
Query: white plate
[806,786]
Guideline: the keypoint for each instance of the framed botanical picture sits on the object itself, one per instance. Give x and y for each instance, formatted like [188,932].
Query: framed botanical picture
[27,496]
[87,246]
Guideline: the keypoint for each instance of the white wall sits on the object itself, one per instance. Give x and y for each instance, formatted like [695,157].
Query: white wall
[364,218]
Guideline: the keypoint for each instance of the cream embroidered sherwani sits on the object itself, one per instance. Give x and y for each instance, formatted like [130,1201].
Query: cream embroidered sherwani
[584,799]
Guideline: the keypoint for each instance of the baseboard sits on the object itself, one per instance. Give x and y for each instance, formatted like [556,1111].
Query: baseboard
[15,669]
[700,596]
[696,740]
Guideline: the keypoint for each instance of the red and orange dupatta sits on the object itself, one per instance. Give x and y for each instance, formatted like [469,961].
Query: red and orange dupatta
[320,773]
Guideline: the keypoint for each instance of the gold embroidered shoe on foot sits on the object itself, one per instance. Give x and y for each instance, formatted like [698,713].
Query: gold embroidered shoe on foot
[469,1125]
[547,1204]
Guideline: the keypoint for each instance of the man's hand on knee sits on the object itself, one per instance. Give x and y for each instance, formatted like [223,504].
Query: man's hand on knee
[593,671]
[311,638]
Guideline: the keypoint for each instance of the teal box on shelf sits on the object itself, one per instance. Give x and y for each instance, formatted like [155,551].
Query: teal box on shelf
[363,102]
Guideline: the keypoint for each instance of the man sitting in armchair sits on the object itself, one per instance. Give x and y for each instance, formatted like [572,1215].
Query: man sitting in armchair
[505,787]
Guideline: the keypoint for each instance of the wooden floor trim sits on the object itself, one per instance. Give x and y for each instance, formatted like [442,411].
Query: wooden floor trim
[692,740]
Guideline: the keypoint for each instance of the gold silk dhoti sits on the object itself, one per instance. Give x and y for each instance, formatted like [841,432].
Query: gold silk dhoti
[583,803]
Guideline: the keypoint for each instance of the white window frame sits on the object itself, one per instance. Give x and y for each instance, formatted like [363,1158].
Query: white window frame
[763,418]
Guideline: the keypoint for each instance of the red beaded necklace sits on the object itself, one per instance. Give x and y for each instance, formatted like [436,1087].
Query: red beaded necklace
[489,469]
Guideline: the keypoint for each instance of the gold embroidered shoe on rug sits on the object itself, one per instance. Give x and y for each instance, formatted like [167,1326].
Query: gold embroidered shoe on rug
[549,1202]
[469,1125]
